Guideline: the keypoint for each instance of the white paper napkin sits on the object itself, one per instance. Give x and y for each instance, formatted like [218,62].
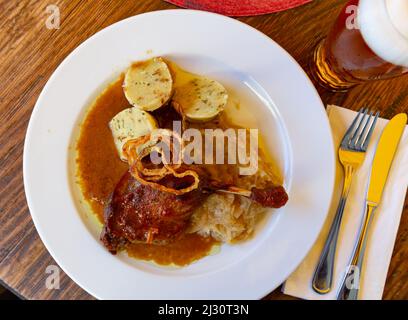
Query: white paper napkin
[382,232]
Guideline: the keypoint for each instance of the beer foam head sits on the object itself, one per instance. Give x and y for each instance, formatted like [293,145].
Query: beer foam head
[384,27]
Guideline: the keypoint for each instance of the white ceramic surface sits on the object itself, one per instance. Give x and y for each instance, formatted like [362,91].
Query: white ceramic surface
[257,73]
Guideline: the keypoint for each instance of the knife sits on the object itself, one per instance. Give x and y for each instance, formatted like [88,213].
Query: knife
[386,149]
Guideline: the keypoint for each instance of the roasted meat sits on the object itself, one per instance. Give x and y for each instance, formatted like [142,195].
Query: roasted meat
[153,203]
[139,213]
[272,197]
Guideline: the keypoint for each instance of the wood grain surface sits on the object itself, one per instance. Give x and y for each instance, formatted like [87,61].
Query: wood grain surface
[29,53]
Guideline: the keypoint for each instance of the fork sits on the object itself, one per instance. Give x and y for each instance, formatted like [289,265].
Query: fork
[352,152]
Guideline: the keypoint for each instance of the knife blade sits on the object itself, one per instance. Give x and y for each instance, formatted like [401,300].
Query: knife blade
[387,146]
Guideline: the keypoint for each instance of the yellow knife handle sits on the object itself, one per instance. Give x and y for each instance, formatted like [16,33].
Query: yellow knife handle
[351,283]
[387,147]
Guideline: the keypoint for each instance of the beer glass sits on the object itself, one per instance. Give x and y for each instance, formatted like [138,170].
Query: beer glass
[369,41]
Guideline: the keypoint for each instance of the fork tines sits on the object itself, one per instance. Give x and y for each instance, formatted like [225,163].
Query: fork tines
[358,135]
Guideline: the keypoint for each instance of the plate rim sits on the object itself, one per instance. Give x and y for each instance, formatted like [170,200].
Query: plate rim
[100,34]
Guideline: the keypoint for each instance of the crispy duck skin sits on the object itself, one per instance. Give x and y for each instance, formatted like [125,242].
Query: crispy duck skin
[137,212]
[272,197]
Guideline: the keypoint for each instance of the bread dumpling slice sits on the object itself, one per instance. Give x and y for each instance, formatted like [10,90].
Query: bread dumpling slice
[148,84]
[200,99]
[130,124]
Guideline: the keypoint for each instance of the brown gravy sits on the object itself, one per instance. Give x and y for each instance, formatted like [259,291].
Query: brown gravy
[99,170]
[182,252]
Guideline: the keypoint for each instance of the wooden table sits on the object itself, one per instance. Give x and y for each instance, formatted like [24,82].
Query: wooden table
[29,53]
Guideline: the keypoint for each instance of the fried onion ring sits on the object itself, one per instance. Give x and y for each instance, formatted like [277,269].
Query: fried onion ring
[137,149]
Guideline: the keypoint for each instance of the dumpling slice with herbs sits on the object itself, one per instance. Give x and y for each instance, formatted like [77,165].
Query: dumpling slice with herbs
[130,124]
[200,99]
[148,84]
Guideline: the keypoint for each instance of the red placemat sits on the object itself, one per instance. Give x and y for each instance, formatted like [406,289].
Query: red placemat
[239,7]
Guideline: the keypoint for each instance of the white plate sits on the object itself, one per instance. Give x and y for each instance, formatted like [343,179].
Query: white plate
[256,71]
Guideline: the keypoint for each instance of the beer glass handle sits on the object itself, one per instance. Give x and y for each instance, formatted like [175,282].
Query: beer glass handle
[323,275]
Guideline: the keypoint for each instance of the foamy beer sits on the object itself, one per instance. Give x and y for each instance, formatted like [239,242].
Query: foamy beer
[368,43]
